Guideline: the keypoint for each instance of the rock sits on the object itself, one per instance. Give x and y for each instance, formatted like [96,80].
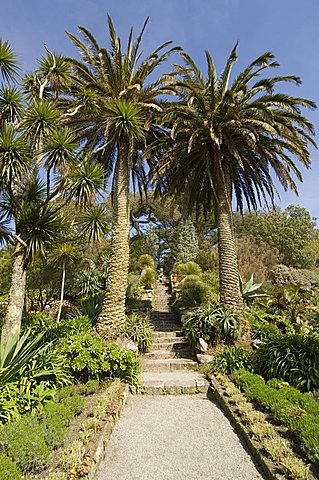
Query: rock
[257,343]
[202,346]
[204,358]
[132,347]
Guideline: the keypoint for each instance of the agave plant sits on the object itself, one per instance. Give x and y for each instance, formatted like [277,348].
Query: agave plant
[251,291]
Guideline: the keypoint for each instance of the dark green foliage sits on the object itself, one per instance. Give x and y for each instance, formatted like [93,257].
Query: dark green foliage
[8,469]
[85,355]
[23,443]
[293,358]
[89,357]
[53,330]
[182,270]
[123,364]
[212,323]
[261,329]
[300,411]
[193,292]
[231,359]
[139,330]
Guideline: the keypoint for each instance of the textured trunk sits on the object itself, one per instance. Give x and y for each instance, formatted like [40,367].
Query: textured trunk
[229,284]
[112,317]
[12,321]
[62,293]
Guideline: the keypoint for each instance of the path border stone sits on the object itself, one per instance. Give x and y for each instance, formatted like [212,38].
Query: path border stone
[104,437]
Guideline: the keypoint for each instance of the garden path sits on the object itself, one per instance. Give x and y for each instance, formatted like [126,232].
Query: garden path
[173,437]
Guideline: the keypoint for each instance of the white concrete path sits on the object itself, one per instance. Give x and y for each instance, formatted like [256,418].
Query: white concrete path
[183,437]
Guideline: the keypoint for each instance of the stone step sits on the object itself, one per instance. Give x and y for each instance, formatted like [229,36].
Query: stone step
[170,345]
[172,326]
[158,354]
[160,335]
[167,364]
[173,383]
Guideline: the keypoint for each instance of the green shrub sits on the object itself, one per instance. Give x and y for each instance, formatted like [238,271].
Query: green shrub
[211,323]
[30,371]
[85,355]
[200,323]
[146,261]
[261,329]
[182,270]
[148,277]
[8,469]
[24,445]
[123,364]
[231,359]
[293,358]
[140,330]
[192,293]
[89,357]
[133,292]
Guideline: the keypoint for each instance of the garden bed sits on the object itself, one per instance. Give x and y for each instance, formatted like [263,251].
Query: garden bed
[274,453]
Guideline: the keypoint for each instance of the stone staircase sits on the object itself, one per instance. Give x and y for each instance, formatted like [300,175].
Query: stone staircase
[169,367]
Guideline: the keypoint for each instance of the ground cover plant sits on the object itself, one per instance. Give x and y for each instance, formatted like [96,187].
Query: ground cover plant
[274,445]
[299,411]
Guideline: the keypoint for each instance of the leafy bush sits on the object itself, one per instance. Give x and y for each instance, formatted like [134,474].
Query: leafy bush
[140,330]
[24,445]
[182,270]
[90,358]
[261,329]
[200,323]
[293,358]
[146,261]
[85,355]
[148,277]
[297,410]
[9,470]
[192,293]
[231,359]
[211,323]
[123,364]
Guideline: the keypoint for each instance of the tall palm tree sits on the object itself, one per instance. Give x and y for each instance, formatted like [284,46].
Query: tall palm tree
[30,215]
[113,108]
[227,140]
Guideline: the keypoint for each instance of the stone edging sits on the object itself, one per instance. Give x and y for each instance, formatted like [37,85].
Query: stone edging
[267,467]
[104,437]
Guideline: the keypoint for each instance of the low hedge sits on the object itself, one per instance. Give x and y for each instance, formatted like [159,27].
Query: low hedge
[299,411]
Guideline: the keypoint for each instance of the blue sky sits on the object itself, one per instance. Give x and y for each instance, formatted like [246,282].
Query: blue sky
[287,27]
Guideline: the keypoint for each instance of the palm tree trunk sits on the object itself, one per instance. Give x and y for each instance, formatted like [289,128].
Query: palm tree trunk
[62,292]
[112,316]
[12,321]
[229,284]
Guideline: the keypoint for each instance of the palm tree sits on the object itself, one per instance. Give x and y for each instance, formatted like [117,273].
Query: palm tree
[62,255]
[30,211]
[113,109]
[227,140]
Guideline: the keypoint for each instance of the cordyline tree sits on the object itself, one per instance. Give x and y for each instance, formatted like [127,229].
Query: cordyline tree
[228,140]
[113,110]
[33,139]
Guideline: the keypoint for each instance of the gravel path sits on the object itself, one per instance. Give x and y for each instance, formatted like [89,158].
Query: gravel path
[173,438]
